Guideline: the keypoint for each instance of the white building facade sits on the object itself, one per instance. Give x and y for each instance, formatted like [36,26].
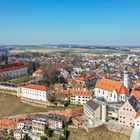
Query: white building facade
[36,92]
[11,71]
[80,99]
[79,95]
[137,121]
[111,91]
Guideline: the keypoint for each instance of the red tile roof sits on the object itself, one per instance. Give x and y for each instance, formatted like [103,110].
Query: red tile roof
[110,85]
[9,67]
[39,71]
[7,122]
[37,87]
[137,84]
[138,115]
[136,94]
[78,91]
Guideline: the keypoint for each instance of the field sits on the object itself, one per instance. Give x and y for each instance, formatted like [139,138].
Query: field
[100,133]
[96,51]
[10,105]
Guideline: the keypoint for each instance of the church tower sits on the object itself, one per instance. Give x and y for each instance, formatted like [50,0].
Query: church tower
[126,79]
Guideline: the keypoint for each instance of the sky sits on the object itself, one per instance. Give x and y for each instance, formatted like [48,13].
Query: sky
[89,22]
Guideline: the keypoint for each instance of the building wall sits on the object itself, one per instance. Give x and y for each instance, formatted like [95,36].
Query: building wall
[38,75]
[14,73]
[92,116]
[38,127]
[137,122]
[9,90]
[79,99]
[110,96]
[88,113]
[35,94]
[55,124]
[127,114]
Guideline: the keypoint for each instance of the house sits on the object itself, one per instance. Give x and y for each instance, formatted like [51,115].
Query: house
[94,112]
[36,92]
[128,111]
[21,125]
[38,73]
[18,134]
[136,93]
[8,124]
[111,91]
[78,95]
[137,120]
[38,124]
[112,111]
[54,121]
[13,70]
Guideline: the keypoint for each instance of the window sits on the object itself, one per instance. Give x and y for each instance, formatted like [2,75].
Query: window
[114,96]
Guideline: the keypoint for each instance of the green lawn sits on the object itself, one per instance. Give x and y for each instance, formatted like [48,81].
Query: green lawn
[10,105]
[73,106]
[21,80]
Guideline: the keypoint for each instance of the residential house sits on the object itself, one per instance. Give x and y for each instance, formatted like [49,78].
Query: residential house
[56,121]
[53,121]
[8,124]
[38,124]
[137,120]
[18,134]
[38,73]
[128,111]
[78,95]
[136,93]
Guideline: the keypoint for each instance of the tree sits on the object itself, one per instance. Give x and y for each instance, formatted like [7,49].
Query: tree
[69,69]
[49,132]
[50,73]
[66,134]
[51,98]
[43,138]
[45,129]
[26,137]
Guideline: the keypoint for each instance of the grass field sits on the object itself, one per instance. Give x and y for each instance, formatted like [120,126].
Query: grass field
[10,105]
[100,133]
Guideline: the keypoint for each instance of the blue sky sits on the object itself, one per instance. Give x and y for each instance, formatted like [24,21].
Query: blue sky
[97,22]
